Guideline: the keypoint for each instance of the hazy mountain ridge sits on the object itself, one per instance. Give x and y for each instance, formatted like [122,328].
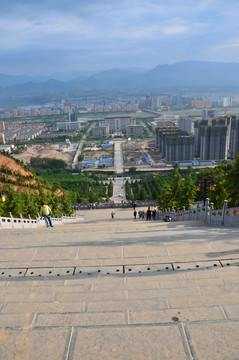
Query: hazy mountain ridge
[188,74]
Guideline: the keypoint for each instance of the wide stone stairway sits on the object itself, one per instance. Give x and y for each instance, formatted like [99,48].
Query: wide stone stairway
[119,289]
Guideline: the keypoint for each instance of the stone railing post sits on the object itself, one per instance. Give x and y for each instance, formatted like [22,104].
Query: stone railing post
[38,219]
[10,214]
[206,209]
[210,212]
[224,209]
[173,213]
[21,219]
[197,211]
[30,220]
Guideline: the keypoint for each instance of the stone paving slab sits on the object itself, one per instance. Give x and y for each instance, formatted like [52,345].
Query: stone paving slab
[126,305]
[34,343]
[55,254]
[232,311]
[177,315]
[83,319]
[24,296]
[74,296]
[219,299]
[208,282]
[41,307]
[164,342]
[164,293]
[16,320]
[214,340]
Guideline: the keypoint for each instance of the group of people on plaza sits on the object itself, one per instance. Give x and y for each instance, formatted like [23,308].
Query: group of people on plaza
[148,214]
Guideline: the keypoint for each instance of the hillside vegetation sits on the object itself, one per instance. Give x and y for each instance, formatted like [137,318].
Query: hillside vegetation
[24,192]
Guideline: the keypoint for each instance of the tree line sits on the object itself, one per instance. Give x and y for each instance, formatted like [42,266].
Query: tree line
[183,187]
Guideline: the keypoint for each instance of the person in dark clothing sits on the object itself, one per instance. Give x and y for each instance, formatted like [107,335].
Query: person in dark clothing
[148,214]
[154,214]
[135,214]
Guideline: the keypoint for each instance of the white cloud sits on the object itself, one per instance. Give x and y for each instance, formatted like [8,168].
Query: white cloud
[176,29]
[229,45]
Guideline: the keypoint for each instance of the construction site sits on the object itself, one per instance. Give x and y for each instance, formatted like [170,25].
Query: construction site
[57,151]
[141,153]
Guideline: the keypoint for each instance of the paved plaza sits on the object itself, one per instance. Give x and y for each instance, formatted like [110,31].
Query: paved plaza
[119,288]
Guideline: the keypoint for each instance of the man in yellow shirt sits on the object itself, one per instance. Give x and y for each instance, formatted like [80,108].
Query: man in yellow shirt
[46,213]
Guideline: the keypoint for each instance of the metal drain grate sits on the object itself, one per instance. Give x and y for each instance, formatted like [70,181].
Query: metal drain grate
[148,268]
[196,265]
[49,271]
[233,262]
[8,273]
[104,270]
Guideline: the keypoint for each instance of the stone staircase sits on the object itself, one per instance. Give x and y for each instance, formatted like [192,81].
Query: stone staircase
[119,288]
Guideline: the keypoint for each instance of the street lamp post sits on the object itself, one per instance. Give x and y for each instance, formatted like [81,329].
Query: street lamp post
[205,183]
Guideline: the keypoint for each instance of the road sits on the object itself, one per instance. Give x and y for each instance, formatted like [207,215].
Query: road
[80,146]
[118,157]
[118,182]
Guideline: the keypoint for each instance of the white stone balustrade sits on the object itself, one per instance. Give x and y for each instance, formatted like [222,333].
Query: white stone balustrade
[11,222]
[224,216]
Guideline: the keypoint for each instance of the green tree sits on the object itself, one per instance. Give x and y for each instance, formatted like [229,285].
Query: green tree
[141,194]
[188,192]
[14,202]
[232,183]
[221,192]
[66,205]
[166,197]
[177,188]
[31,206]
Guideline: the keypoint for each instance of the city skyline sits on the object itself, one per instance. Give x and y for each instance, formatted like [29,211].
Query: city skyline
[55,36]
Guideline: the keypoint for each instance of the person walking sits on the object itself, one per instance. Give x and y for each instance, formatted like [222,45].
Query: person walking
[112,215]
[135,214]
[148,214]
[45,211]
[154,214]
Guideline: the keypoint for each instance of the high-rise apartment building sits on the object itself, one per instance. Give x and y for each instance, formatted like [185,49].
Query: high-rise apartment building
[155,102]
[214,142]
[185,124]
[234,138]
[72,117]
[178,148]
[198,125]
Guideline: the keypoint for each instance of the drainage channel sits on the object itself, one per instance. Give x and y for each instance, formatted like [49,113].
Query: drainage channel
[113,270]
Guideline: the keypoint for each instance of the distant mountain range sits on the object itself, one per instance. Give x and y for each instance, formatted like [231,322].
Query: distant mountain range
[179,77]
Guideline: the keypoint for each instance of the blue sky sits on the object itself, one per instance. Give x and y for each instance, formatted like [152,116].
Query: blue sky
[48,36]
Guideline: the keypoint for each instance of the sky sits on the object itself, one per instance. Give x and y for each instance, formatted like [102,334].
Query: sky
[49,36]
